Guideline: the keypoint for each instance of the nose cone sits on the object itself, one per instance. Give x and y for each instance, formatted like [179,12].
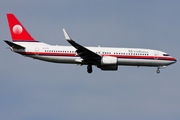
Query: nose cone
[174,60]
[171,60]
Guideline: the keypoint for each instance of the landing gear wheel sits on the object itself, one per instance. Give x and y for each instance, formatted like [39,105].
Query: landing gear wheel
[158,71]
[89,68]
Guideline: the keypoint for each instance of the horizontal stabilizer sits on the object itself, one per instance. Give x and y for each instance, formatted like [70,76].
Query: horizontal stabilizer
[13,45]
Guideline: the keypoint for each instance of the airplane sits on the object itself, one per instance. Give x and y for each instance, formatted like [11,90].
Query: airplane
[105,58]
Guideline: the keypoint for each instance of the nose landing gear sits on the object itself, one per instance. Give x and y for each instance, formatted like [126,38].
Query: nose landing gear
[160,67]
[158,71]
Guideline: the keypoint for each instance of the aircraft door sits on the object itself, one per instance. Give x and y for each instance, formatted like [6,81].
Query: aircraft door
[156,55]
[36,51]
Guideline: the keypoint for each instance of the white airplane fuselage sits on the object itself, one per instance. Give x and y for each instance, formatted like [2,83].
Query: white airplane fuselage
[67,54]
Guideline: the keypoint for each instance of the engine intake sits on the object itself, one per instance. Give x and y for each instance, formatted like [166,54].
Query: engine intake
[109,63]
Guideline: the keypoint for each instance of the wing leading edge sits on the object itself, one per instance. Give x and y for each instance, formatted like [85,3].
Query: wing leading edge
[86,54]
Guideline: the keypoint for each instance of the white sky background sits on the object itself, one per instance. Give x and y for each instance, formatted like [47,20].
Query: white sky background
[33,89]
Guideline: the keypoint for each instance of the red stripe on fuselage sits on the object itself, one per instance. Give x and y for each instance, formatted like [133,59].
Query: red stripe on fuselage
[118,56]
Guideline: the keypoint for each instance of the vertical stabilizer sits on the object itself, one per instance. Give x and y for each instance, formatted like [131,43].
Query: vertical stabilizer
[18,32]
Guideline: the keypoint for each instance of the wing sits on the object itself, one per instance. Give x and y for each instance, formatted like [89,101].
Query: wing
[84,53]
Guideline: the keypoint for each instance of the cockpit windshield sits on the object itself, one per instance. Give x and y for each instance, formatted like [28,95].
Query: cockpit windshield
[166,55]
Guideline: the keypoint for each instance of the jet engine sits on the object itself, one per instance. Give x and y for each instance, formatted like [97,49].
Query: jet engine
[109,63]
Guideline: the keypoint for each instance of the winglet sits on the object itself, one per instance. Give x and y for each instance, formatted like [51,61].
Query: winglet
[66,35]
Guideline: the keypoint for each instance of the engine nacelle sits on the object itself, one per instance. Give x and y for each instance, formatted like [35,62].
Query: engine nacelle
[109,63]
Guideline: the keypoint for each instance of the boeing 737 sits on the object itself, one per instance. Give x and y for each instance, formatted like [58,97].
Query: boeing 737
[105,58]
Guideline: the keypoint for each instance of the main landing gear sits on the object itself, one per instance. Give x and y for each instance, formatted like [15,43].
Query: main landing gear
[89,68]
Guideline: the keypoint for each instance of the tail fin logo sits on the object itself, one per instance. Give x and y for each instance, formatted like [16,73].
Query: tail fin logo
[18,32]
[17,29]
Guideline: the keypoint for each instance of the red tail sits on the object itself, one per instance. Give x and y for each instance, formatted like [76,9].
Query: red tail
[18,32]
